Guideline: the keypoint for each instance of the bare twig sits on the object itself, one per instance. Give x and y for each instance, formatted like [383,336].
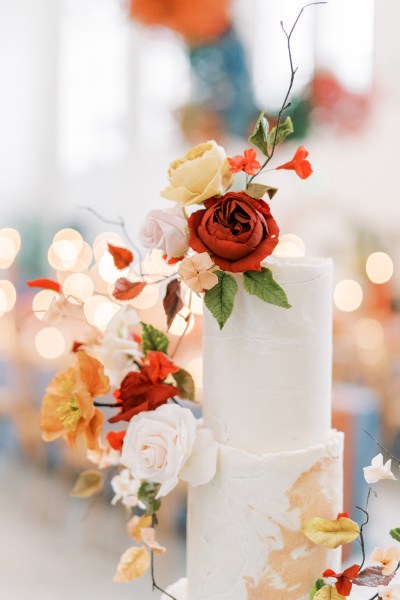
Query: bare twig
[187,319]
[361,540]
[293,72]
[381,447]
[153,580]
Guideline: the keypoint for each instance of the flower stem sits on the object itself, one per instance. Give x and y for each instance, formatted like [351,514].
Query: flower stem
[152,570]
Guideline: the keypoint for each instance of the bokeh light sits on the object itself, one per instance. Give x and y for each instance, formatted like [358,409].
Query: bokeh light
[369,334]
[147,298]
[10,243]
[99,311]
[41,302]
[50,342]
[100,244]
[78,287]
[290,245]
[348,295]
[195,301]
[379,267]
[108,271]
[8,296]
[179,324]
[195,368]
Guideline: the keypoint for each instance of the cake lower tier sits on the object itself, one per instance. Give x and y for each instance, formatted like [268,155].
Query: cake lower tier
[244,527]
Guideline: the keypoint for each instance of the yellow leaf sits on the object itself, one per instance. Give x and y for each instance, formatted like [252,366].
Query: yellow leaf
[331,534]
[328,592]
[135,526]
[149,538]
[88,483]
[133,564]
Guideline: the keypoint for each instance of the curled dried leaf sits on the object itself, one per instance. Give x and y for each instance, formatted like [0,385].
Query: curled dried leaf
[172,301]
[133,564]
[373,577]
[88,483]
[135,526]
[128,290]
[329,533]
[149,538]
[122,256]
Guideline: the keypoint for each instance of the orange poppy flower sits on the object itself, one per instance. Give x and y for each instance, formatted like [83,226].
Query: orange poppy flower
[68,406]
[299,163]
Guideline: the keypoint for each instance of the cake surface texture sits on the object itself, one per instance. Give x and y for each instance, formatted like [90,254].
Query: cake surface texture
[267,399]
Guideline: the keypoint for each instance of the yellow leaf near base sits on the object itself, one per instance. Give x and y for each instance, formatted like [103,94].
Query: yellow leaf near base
[331,534]
[328,592]
[88,483]
[133,564]
[135,526]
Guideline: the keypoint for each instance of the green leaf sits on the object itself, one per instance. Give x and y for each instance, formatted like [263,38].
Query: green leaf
[185,384]
[147,494]
[258,190]
[395,533]
[317,586]
[220,299]
[153,339]
[88,483]
[260,134]
[262,284]
[284,129]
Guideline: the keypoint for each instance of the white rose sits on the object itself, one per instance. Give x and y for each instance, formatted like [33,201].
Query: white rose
[202,173]
[165,445]
[165,230]
[179,590]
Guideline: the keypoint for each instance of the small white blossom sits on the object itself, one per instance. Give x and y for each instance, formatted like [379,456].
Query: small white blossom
[104,457]
[378,470]
[125,488]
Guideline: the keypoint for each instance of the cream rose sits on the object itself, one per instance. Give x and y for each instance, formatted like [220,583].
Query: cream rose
[165,230]
[165,445]
[202,173]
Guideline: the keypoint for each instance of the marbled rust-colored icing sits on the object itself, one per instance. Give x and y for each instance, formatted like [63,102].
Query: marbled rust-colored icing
[311,495]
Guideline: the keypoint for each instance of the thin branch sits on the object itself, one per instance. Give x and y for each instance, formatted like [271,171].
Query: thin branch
[187,319]
[153,580]
[120,223]
[108,404]
[381,447]
[293,72]
[365,511]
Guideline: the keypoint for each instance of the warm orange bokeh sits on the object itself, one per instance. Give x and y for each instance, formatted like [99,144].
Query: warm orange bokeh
[199,22]
[68,405]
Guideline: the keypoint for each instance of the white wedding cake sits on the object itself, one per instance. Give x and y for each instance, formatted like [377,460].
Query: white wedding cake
[267,399]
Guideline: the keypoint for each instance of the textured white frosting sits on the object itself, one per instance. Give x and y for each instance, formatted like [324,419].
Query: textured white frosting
[267,374]
[244,537]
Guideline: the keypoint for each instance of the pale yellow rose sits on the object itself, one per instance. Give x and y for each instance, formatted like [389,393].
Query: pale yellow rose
[202,173]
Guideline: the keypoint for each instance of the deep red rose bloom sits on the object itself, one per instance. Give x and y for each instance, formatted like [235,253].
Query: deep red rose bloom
[236,230]
[141,391]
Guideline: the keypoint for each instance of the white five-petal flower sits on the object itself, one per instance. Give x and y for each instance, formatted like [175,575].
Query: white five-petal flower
[378,470]
[390,592]
[125,488]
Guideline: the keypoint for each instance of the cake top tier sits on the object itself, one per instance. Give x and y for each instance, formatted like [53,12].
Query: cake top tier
[267,374]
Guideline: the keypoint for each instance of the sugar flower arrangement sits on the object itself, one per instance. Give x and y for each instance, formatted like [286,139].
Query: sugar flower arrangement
[385,560]
[216,227]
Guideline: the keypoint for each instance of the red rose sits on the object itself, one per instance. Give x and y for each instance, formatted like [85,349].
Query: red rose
[236,230]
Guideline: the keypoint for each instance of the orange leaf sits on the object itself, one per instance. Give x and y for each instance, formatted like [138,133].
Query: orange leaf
[135,526]
[133,564]
[46,284]
[149,538]
[122,256]
[127,290]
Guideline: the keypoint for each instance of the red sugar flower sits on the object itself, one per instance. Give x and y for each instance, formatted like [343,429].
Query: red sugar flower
[247,163]
[116,439]
[344,583]
[299,163]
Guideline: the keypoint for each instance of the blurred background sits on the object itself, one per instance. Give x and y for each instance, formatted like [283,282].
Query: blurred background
[96,98]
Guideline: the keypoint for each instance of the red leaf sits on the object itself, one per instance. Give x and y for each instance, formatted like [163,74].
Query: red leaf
[172,301]
[127,290]
[46,284]
[122,256]
[116,439]
[372,577]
